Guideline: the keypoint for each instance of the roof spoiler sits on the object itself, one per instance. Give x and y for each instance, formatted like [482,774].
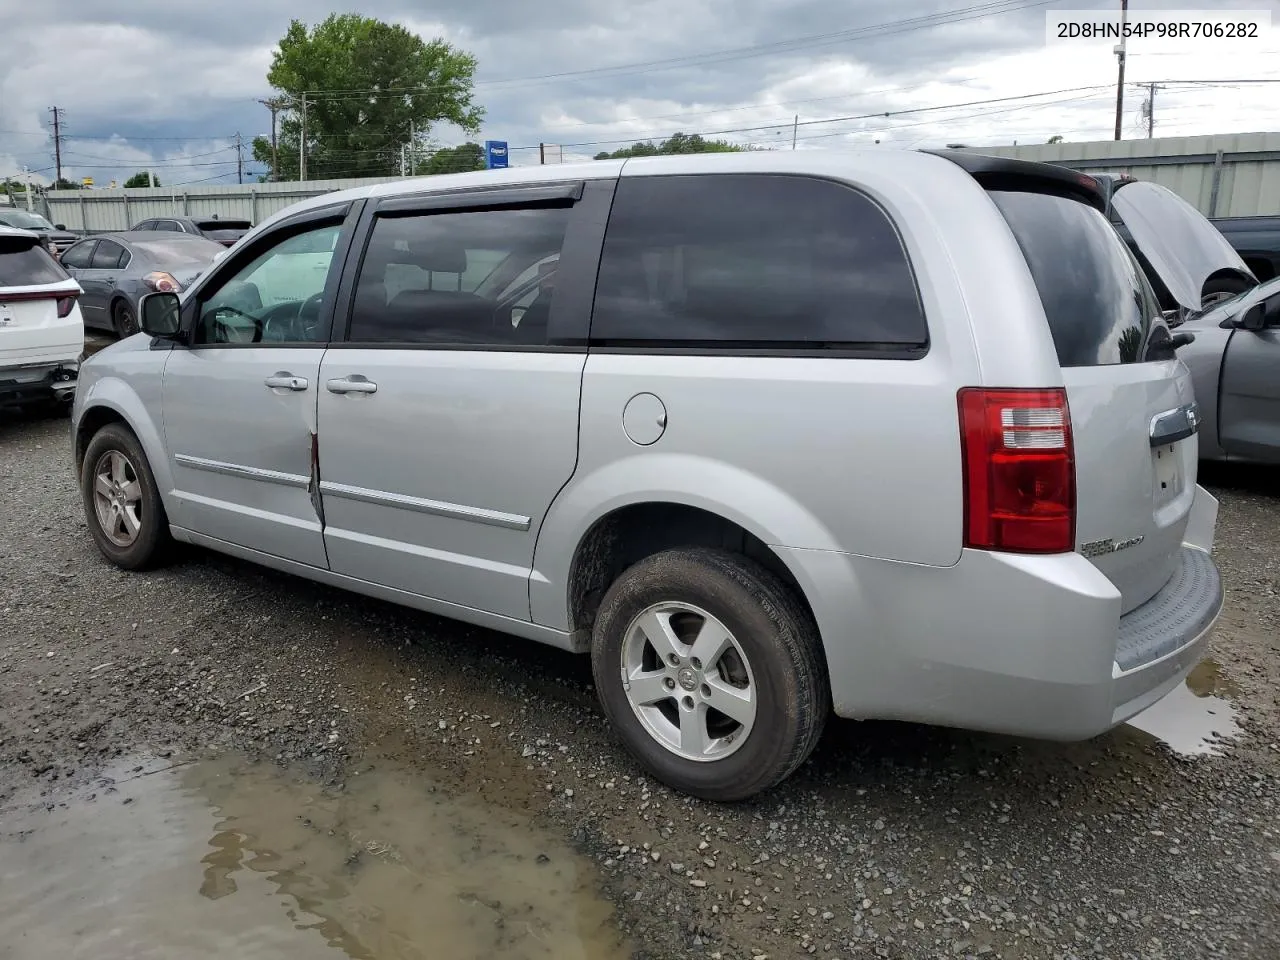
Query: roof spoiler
[1005,173]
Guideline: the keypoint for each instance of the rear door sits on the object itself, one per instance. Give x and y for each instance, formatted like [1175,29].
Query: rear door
[1133,417]
[449,417]
[99,280]
[1249,394]
[76,262]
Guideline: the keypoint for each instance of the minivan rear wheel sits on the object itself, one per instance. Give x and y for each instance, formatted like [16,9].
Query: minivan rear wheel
[710,669]
[121,503]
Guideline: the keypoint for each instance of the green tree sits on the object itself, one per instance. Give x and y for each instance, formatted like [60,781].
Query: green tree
[140,179]
[370,87]
[460,159]
[64,184]
[676,143]
[1056,138]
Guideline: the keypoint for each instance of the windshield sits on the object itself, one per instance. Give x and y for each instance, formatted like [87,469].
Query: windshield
[24,220]
[1096,299]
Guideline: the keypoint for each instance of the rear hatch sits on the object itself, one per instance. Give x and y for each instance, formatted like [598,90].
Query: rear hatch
[37,297]
[1135,458]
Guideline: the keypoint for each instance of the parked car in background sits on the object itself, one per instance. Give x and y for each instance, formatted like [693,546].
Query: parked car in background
[1256,239]
[770,435]
[1235,367]
[1189,262]
[116,269]
[41,331]
[225,232]
[57,237]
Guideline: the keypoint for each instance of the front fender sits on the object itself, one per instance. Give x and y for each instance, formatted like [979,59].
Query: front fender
[137,402]
[759,507]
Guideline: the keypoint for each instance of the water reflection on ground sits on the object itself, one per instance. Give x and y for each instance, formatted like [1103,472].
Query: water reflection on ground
[228,858]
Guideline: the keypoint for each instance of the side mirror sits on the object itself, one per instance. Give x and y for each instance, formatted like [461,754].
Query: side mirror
[159,314]
[59,226]
[1254,319]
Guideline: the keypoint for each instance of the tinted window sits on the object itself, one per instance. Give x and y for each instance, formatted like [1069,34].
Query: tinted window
[109,256]
[23,264]
[145,225]
[171,225]
[223,224]
[274,298]
[476,277]
[78,254]
[753,260]
[1098,303]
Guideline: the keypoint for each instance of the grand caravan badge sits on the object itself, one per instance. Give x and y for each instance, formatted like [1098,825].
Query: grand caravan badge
[1100,548]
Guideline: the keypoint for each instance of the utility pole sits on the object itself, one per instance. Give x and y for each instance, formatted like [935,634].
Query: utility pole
[1120,52]
[795,126]
[542,153]
[302,142]
[275,105]
[57,142]
[26,176]
[239,159]
[1151,109]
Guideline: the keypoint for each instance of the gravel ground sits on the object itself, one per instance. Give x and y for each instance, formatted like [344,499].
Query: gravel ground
[894,840]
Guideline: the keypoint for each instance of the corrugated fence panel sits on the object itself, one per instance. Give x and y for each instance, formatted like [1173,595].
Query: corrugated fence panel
[1247,174]
[105,211]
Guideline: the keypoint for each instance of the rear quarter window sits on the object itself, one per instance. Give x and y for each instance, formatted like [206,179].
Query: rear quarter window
[23,264]
[1098,302]
[719,261]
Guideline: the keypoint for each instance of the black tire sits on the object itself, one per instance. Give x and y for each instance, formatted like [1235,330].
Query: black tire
[123,320]
[780,643]
[1219,288]
[153,542]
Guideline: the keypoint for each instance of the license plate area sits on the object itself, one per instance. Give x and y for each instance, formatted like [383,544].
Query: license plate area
[7,317]
[1168,473]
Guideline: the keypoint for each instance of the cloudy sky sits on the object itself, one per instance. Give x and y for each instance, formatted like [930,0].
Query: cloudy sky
[169,84]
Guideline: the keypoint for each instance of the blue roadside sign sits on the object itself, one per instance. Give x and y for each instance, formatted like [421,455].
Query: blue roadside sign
[495,154]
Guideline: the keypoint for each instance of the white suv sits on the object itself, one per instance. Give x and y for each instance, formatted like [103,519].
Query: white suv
[769,435]
[41,330]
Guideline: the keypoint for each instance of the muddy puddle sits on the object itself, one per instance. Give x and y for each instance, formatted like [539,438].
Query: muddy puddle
[225,858]
[1195,719]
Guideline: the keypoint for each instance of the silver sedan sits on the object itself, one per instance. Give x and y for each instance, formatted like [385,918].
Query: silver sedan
[1235,367]
[116,270]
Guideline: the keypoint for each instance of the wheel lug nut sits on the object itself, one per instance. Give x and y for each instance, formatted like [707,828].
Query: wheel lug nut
[705,691]
[697,664]
[688,703]
[673,659]
[669,683]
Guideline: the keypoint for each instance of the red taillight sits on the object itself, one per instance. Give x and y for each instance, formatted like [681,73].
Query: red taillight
[65,306]
[1019,470]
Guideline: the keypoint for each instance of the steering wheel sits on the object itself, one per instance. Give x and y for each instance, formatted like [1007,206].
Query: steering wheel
[308,316]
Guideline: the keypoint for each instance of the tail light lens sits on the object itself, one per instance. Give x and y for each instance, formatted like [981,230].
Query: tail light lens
[65,306]
[1019,470]
[162,282]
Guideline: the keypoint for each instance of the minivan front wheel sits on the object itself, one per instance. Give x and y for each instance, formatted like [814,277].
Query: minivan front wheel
[121,503]
[710,669]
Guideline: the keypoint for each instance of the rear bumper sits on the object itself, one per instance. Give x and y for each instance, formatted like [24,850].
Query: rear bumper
[1022,645]
[38,383]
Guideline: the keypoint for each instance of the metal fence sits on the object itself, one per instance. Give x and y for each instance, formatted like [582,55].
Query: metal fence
[106,211]
[1223,175]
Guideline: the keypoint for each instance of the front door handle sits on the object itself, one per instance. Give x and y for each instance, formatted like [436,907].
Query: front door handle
[352,384]
[286,381]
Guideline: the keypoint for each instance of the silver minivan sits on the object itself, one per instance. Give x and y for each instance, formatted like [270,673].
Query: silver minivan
[889,434]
